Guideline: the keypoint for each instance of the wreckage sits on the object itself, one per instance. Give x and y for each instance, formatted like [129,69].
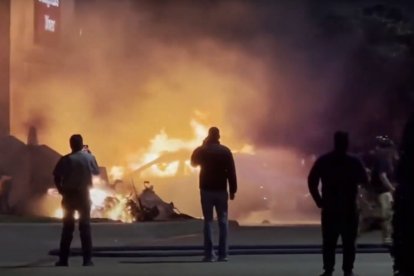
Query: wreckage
[148,206]
[129,207]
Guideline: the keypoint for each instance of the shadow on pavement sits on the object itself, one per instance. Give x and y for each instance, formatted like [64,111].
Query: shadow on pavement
[162,262]
[41,263]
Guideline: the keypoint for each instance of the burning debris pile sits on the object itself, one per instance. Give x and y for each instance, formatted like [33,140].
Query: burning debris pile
[108,204]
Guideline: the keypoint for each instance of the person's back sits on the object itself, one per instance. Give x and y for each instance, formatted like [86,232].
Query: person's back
[78,171]
[73,178]
[340,174]
[217,166]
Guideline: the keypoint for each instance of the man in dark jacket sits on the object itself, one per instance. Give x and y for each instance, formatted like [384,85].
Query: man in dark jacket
[403,220]
[340,175]
[73,179]
[217,168]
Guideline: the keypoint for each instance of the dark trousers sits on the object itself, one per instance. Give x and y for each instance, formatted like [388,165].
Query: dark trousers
[335,224]
[403,236]
[70,204]
[4,205]
[219,201]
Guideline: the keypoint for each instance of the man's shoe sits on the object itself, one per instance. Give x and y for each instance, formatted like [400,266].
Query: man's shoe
[222,259]
[61,263]
[88,263]
[350,274]
[327,273]
[208,259]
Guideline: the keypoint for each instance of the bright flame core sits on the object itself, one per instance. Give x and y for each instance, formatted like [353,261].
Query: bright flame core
[105,204]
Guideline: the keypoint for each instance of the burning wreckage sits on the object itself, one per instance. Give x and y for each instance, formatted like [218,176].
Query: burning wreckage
[107,204]
[26,185]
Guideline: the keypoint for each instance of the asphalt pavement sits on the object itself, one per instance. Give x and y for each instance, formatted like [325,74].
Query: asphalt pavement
[25,248]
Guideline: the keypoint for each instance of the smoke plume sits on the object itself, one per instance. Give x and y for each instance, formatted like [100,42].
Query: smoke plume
[265,72]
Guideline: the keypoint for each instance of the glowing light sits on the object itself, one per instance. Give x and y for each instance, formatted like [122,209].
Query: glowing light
[117,172]
[163,144]
[199,130]
[53,192]
[58,213]
[247,149]
[99,196]
[163,170]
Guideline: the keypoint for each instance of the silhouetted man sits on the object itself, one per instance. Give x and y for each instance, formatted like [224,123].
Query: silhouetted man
[403,220]
[73,178]
[217,169]
[340,175]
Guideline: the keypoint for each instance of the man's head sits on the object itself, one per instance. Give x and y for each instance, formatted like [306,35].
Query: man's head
[214,134]
[76,142]
[341,141]
[383,142]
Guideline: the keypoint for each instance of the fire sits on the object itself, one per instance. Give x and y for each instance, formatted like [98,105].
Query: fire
[105,204]
[117,172]
[59,214]
[165,157]
[178,151]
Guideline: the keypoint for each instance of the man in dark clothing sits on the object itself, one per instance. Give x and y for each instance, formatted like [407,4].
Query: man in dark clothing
[403,220]
[217,168]
[340,175]
[73,178]
[382,175]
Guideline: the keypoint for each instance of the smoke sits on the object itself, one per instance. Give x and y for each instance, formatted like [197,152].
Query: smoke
[262,71]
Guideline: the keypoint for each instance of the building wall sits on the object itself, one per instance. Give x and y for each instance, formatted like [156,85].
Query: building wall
[4,67]
[35,53]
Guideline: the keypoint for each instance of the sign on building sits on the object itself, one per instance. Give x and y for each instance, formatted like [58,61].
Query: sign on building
[47,22]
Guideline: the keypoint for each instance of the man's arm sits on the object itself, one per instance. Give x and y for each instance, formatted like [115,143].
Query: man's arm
[384,168]
[386,182]
[94,166]
[313,183]
[59,172]
[195,157]
[231,175]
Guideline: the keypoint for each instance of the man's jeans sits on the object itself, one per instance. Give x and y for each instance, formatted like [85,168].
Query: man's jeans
[70,204]
[209,201]
[386,200]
